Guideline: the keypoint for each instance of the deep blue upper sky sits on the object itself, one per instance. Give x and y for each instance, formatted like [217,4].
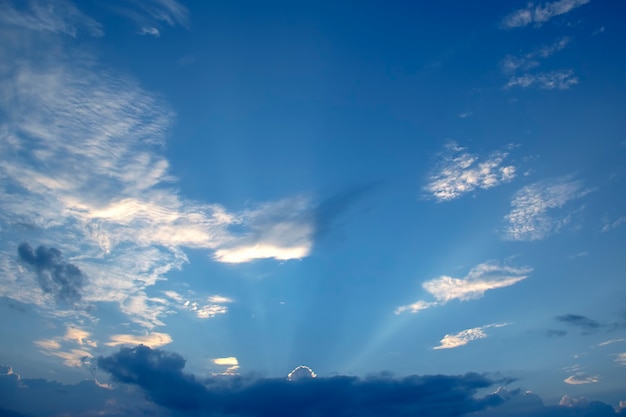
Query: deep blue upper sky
[414,188]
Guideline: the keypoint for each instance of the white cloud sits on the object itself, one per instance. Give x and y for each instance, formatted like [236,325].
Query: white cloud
[416,307]
[229,361]
[211,307]
[72,356]
[610,225]
[82,169]
[512,63]
[621,358]
[46,16]
[153,340]
[481,278]
[540,13]
[462,338]
[460,172]
[581,378]
[610,342]
[530,217]
[151,15]
[559,80]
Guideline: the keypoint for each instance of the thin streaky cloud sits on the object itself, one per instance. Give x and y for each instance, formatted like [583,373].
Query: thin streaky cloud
[512,63]
[536,208]
[540,13]
[60,17]
[610,342]
[554,80]
[462,338]
[153,340]
[610,225]
[459,172]
[581,378]
[480,279]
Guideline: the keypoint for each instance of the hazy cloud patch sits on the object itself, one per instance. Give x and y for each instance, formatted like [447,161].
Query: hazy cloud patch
[459,172]
[536,208]
[540,13]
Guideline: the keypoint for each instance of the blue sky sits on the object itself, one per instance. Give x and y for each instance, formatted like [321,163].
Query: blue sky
[410,189]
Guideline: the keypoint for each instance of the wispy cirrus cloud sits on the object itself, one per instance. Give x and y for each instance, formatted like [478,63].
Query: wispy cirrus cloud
[208,307]
[540,13]
[462,338]
[512,63]
[536,211]
[480,279]
[49,16]
[151,15]
[610,225]
[74,347]
[459,172]
[83,175]
[553,80]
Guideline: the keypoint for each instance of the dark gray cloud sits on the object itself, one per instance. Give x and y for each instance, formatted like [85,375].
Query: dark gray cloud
[171,393]
[160,374]
[585,323]
[55,276]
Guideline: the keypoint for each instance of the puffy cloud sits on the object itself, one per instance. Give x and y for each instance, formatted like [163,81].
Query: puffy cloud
[530,218]
[480,279]
[539,13]
[55,276]
[160,374]
[463,337]
[460,172]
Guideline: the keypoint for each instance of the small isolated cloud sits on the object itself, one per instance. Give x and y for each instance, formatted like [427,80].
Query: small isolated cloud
[63,280]
[535,208]
[540,13]
[621,358]
[610,225]
[480,279]
[301,372]
[211,306]
[152,15]
[58,16]
[610,342]
[581,378]
[462,338]
[231,363]
[568,401]
[150,31]
[460,172]
[582,322]
[559,80]
[153,340]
